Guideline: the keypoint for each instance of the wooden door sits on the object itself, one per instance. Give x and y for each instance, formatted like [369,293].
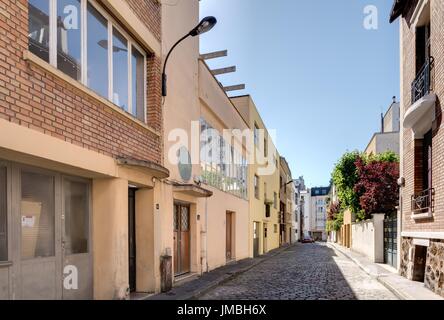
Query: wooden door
[182,251]
[229,235]
[132,238]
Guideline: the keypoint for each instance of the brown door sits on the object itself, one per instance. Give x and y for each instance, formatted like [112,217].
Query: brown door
[181,239]
[229,235]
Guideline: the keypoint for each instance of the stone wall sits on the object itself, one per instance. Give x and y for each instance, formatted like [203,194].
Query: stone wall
[434,273]
[434,277]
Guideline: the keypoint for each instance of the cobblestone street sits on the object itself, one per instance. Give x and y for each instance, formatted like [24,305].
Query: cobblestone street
[303,272]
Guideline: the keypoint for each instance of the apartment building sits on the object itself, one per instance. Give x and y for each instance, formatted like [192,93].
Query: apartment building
[387,139]
[208,213]
[299,211]
[80,148]
[263,181]
[287,204]
[422,141]
[318,212]
[305,212]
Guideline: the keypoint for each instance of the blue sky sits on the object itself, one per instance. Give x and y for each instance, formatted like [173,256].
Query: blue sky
[315,73]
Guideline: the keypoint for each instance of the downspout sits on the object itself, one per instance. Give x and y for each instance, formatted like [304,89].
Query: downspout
[206,234]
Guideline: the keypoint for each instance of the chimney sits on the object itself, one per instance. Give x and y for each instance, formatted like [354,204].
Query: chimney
[382,123]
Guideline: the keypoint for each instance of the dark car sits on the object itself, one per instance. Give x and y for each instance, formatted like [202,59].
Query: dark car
[307,240]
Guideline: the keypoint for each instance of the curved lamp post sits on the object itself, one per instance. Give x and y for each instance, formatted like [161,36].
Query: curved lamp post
[205,25]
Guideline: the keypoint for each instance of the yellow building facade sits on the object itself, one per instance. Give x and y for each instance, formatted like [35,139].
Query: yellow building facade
[263,175]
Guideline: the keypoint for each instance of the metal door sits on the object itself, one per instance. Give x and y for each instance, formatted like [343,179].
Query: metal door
[229,235]
[391,241]
[256,239]
[181,239]
[76,239]
[37,239]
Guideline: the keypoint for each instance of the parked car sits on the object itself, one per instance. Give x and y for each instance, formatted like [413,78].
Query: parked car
[308,240]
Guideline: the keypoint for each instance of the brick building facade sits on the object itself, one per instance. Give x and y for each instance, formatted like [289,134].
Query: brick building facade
[422,141]
[81,153]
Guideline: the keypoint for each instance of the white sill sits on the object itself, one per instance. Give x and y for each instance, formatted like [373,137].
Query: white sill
[32,58]
[422,216]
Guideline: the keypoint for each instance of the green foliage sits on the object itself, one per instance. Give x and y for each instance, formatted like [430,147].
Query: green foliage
[335,225]
[388,156]
[345,176]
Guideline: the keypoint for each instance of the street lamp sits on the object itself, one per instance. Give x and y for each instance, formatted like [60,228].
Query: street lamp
[205,25]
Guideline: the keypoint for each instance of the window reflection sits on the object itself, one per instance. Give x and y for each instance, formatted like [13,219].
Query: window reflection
[138,84]
[69,38]
[97,52]
[38,20]
[120,70]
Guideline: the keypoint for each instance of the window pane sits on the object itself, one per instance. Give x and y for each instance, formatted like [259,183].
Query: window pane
[37,215]
[138,84]
[76,217]
[3,217]
[39,28]
[69,38]
[97,52]
[120,70]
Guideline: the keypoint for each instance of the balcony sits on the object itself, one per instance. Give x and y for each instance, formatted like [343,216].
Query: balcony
[422,204]
[422,85]
[420,115]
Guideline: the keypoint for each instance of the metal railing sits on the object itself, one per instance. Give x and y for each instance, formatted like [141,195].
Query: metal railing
[423,82]
[423,202]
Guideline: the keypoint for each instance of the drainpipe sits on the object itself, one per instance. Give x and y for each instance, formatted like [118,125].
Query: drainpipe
[206,233]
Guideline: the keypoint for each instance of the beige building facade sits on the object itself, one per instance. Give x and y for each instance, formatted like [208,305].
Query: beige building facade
[263,182]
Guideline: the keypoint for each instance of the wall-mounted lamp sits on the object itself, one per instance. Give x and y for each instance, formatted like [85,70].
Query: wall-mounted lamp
[205,25]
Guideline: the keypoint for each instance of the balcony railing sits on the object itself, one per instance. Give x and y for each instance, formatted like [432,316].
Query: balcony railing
[423,202]
[423,82]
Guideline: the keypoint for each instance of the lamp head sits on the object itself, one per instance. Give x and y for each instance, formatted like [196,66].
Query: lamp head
[205,25]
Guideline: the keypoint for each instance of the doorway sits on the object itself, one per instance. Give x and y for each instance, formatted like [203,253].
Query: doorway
[182,243]
[256,239]
[50,230]
[265,237]
[132,238]
[229,236]
[419,265]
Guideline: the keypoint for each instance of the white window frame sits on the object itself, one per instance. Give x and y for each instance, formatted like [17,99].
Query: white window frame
[112,23]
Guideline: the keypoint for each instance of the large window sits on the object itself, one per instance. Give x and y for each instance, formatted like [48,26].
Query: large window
[3,216]
[223,167]
[37,216]
[76,203]
[80,39]
[69,32]
[38,32]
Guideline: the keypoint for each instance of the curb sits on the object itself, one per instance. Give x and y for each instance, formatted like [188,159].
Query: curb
[392,289]
[198,293]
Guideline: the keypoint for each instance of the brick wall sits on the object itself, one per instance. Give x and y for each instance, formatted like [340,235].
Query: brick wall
[408,61]
[34,98]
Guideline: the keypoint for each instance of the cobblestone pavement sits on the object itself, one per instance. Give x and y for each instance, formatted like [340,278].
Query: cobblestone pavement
[304,272]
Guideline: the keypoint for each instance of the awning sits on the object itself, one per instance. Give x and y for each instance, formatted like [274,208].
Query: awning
[156,170]
[420,116]
[192,190]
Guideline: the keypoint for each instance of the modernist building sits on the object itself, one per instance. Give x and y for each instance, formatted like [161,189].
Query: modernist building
[388,138]
[263,182]
[422,141]
[80,148]
[318,213]
[209,207]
